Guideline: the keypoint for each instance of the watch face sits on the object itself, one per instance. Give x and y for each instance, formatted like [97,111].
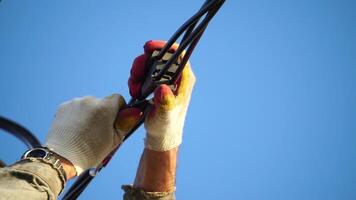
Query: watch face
[37,153]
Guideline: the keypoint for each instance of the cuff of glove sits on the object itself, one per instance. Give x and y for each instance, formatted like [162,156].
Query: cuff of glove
[132,193]
[75,158]
[162,143]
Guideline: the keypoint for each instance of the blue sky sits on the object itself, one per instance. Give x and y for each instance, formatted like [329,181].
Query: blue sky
[273,113]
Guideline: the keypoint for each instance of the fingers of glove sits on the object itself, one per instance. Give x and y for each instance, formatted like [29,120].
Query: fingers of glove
[153,45]
[185,84]
[111,105]
[164,99]
[138,70]
[127,119]
[137,75]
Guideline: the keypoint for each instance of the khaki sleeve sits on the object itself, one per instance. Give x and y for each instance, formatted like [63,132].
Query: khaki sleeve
[29,180]
[132,193]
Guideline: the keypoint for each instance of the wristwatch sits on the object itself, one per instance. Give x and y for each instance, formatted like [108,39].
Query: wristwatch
[46,155]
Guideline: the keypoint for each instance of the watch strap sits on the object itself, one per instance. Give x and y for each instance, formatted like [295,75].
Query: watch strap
[50,158]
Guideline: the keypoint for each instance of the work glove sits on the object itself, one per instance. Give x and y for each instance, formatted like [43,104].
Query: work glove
[164,123]
[85,130]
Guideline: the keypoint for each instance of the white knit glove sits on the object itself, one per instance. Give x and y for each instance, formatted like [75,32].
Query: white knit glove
[83,130]
[164,124]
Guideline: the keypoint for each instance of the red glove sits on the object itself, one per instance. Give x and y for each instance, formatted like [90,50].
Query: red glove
[138,70]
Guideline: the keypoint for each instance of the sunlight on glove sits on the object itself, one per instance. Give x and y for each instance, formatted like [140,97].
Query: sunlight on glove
[164,124]
[83,130]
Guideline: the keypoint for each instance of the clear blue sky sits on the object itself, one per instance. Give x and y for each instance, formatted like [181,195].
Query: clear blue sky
[273,112]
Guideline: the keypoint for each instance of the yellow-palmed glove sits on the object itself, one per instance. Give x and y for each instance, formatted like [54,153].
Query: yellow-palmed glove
[164,124]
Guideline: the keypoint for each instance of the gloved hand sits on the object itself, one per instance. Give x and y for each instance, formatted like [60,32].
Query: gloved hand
[164,124]
[84,130]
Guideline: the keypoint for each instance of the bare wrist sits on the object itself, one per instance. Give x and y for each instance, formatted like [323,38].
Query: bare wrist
[68,167]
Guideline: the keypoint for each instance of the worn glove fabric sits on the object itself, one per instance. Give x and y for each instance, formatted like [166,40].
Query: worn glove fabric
[83,130]
[164,124]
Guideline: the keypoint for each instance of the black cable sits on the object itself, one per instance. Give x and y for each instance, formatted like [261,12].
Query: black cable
[206,6]
[20,132]
[2,164]
[210,9]
[193,44]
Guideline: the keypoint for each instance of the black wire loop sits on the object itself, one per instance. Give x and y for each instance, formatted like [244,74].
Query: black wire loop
[20,132]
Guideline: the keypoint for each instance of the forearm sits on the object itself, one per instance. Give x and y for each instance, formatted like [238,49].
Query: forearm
[155,177]
[157,171]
